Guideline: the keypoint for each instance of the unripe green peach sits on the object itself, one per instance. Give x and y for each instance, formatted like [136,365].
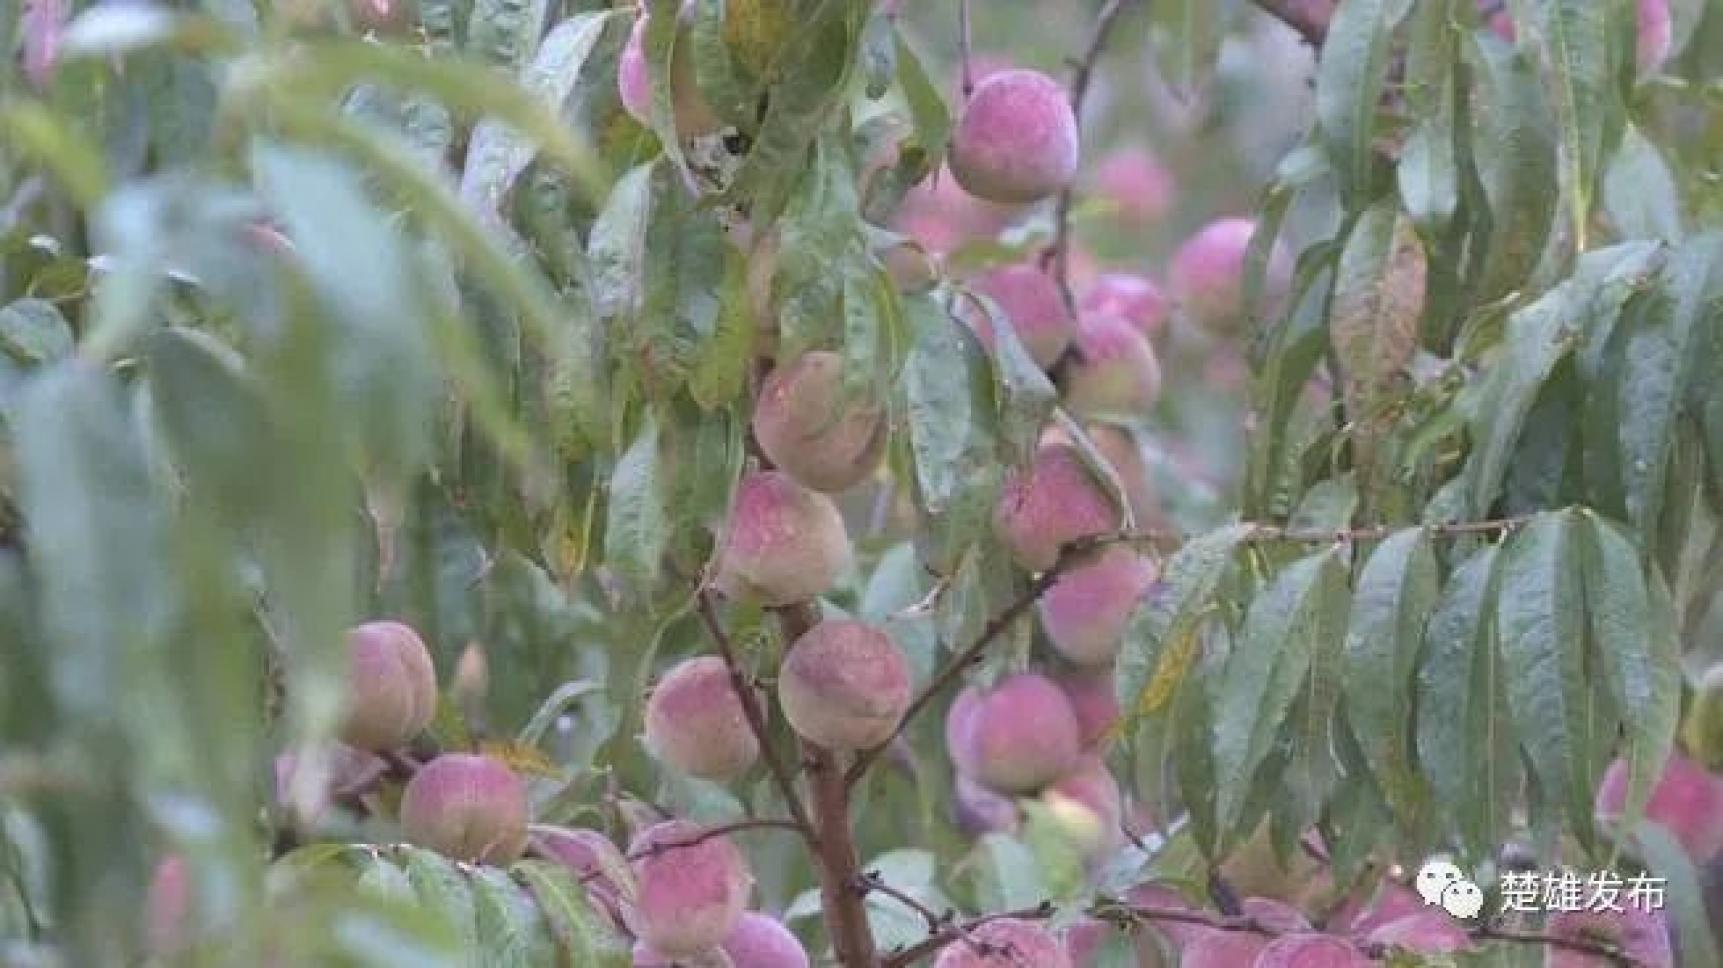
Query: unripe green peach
[1030,300]
[783,543]
[1207,274]
[978,811]
[1640,934]
[759,941]
[1086,611]
[1055,501]
[599,864]
[692,888]
[1114,373]
[1016,140]
[1135,299]
[810,431]
[1087,803]
[1005,943]
[1687,800]
[1017,737]
[1429,932]
[694,116]
[1703,731]
[391,686]
[695,723]
[1094,701]
[468,807]
[844,685]
[1311,950]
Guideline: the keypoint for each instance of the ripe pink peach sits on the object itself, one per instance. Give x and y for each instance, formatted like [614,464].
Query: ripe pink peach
[1055,501]
[1085,612]
[1687,800]
[467,807]
[1115,372]
[759,941]
[1087,802]
[695,723]
[598,862]
[1016,140]
[1120,447]
[1207,274]
[1311,950]
[1030,300]
[1133,298]
[807,427]
[1017,737]
[1275,913]
[1642,935]
[783,544]
[645,957]
[1214,948]
[941,216]
[391,686]
[167,908]
[1134,183]
[1094,701]
[1429,931]
[692,888]
[694,116]
[844,685]
[978,811]
[1007,943]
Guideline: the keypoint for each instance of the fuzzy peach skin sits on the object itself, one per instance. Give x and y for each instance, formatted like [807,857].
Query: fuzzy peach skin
[1017,737]
[1430,932]
[940,216]
[1207,273]
[783,542]
[1133,298]
[1134,183]
[1115,371]
[978,811]
[1093,700]
[693,889]
[811,432]
[1642,935]
[391,686]
[695,723]
[844,685]
[1312,950]
[1086,610]
[1016,140]
[468,807]
[1030,300]
[759,941]
[1006,943]
[1687,800]
[1056,501]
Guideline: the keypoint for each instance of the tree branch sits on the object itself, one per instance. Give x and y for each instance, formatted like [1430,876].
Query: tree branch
[720,830]
[965,72]
[955,932]
[1602,949]
[781,774]
[1308,18]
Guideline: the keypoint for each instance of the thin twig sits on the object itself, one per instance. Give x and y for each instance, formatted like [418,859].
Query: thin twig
[720,830]
[869,882]
[1601,949]
[1308,18]
[954,932]
[1059,253]
[966,72]
[781,774]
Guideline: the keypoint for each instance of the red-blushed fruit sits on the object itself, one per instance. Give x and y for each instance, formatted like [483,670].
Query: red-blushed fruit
[1275,913]
[391,686]
[1030,300]
[807,427]
[1642,935]
[1088,805]
[1016,140]
[1360,913]
[1207,274]
[1017,737]
[694,115]
[1135,299]
[599,864]
[645,957]
[692,888]
[1687,800]
[1007,943]
[468,807]
[1055,501]
[1115,372]
[1135,185]
[759,941]
[1214,948]
[1311,951]
[1430,931]
[695,723]
[783,543]
[844,685]
[1702,730]
[1086,610]
[978,811]
[941,216]
[1093,700]
[167,908]
[1119,446]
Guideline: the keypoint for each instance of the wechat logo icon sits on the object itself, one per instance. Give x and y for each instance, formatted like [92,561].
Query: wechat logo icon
[1442,884]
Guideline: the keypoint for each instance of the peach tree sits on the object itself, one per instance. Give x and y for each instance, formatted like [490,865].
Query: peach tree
[759,483]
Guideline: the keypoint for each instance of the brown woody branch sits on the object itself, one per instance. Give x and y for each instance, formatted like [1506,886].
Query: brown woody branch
[756,717]
[708,833]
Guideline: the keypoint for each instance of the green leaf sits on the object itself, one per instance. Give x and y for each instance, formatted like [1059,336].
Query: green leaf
[215,422]
[1540,616]
[505,32]
[1684,892]
[927,109]
[1010,874]
[1514,149]
[582,935]
[1639,190]
[1301,610]
[662,36]
[637,524]
[1466,744]
[721,373]
[1429,169]
[1396,594]
[1574,36]
[1349,80]
[1378,302]
[1189,40]
[1635,644]
[718,73]
[512,931]
[679,300]
[443,891]
[1161,642]
[34,332]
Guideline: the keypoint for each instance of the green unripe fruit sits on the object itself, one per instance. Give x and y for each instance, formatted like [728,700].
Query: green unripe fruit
[468,807]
